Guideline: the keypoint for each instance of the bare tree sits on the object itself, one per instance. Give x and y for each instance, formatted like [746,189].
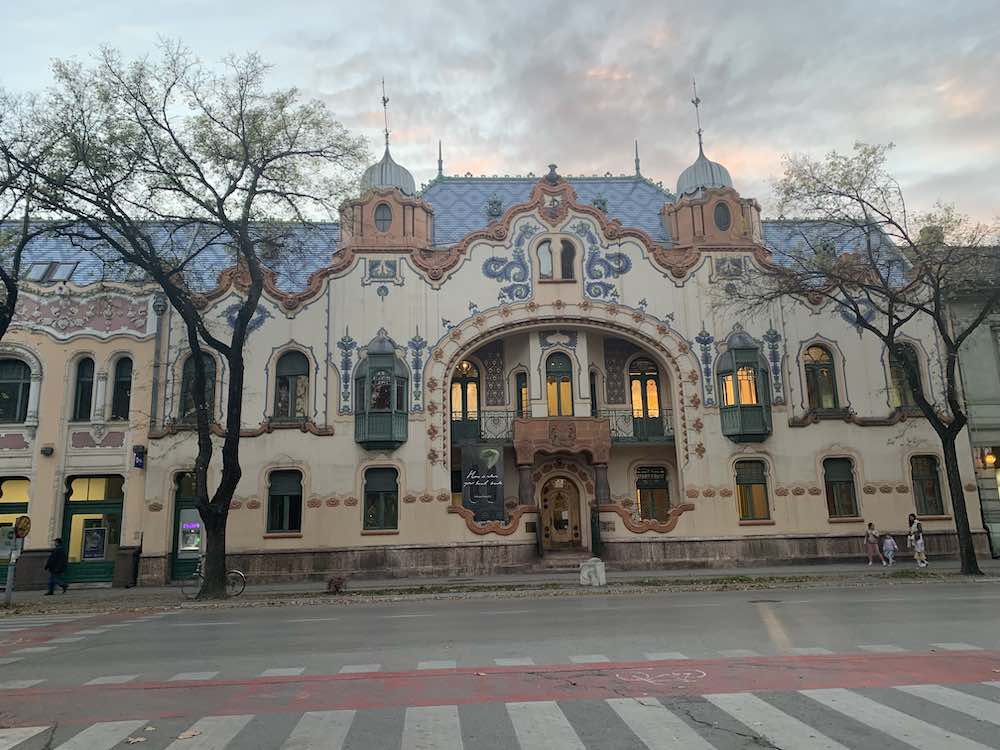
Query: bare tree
[897,278]
[158,163]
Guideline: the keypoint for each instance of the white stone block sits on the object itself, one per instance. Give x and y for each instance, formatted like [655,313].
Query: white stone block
[592,573]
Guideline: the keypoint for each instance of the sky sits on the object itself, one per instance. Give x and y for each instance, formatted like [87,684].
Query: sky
[509,86]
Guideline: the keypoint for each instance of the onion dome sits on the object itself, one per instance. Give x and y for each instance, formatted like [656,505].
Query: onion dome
[386,173]
[381,344]
[704,173]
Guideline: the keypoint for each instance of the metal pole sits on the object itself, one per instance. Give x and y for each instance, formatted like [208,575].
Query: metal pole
[8,589]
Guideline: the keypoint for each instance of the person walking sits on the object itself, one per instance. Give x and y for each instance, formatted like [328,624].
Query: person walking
[915,539]
[889,548]
[56,566]
[871,544]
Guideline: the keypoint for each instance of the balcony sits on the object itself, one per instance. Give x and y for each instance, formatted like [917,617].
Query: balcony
[626,427]
[487,427]
[746,424]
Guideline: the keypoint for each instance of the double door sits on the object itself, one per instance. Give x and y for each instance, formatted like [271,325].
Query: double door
[560,516]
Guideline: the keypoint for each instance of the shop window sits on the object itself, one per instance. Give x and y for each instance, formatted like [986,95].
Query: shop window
[559,385]
[926,486]
[284,501]
[14,498]
[15,385]
[841,499]
[381,507]
[92,525]
[121,390]
[83,394]
[523,402]
[291,386]
[900,390]
[187,411]
[652,493]
[545,260]
[821,379]
[751,491]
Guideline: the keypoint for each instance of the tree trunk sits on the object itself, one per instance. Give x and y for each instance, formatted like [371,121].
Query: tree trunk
[966,549]
[214,571]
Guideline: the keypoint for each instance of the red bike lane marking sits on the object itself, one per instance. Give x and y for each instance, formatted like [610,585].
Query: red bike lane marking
[38,635]
[85,705]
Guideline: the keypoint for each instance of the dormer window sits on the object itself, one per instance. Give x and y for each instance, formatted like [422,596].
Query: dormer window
[43,272]
[383,217]
[558,265]
[723,217]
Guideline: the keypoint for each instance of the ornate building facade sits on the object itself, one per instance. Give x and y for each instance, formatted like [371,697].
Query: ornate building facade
[470,377]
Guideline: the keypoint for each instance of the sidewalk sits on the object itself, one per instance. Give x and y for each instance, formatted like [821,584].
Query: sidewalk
[781,576]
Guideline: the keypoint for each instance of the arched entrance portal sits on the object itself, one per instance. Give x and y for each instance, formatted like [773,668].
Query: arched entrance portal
[560,514]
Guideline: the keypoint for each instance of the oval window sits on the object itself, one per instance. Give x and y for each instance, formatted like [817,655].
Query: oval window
[723,219]
[383,217]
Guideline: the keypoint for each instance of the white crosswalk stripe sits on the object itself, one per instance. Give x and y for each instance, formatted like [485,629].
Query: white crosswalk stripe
[35,650]
[542,726]
[360,668]
[192,676]
[438,664]
[515,661]
[102,736]
[320,729]
[283,672]
[738,653]
[658,728]
[956,700]
[19,684]
[664,655]
[956,647]
[67,639]
[811,651]
[112,679]
[898,725]
[11,738]
[432,727]
[589,659]
[883,648]
[773,724]
[213,733]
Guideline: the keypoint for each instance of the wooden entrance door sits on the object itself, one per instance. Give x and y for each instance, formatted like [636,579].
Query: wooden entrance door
[560,514]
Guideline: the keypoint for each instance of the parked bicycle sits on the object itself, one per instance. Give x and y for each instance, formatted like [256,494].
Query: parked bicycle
[235,582]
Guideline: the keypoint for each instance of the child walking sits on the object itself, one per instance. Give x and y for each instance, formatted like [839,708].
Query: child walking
[871,544]
[889,548]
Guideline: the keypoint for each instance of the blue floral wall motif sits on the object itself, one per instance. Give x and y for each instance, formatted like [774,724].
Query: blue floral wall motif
[417,345]
[256,321]
[867,310]
[516,270]
[773,339]
[704,340]
[347,345]
[597,268]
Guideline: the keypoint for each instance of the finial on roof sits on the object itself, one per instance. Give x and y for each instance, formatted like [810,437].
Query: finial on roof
[697,112]
[440,161]
[385,113]
[552,176]
[637,157]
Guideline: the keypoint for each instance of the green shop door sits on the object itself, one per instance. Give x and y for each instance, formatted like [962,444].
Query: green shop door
[188,530]
[92,526]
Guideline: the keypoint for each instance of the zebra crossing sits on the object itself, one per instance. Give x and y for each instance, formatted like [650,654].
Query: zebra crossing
[15,623]
[817,719]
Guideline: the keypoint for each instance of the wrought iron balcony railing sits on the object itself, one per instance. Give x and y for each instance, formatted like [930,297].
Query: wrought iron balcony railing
[628,426]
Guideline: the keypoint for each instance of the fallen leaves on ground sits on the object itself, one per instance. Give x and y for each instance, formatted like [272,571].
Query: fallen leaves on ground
[189,734]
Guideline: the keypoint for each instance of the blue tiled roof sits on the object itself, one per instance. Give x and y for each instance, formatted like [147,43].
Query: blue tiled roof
[460,203]
[313,247]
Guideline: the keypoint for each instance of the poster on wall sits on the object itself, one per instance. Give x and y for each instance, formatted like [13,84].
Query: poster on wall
[95,542]
[482,482]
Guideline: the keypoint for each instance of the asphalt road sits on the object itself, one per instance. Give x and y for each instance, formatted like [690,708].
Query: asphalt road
[890,667]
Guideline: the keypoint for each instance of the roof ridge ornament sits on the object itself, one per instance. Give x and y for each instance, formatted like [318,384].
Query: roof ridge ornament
[696,101]
[552,176]
[385,114]
[637,157]
[440,161]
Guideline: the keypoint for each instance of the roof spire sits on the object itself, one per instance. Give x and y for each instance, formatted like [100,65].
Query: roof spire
[637,156]
[697,113]
[385,114]
[440,161]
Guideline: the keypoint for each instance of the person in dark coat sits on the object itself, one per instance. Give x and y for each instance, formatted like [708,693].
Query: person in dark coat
[56,565]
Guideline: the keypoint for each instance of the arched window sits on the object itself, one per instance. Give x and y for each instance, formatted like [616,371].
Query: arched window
[284,501]
[465,392]
[723,218]
[751,491]
[15,384]
[644,385]
[523,402]
[380,386]
[83,395]
[841,500]
[652,493]
[744,392]
[926,486]
[567,261]
[821,380]
[900,392]
[559,385]
[593,393]
[291,386]
[545,260]
[187,411]
[121,393]
[383,217]
[381,508]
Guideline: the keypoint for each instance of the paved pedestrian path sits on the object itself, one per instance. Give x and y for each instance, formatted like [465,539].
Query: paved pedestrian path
[923,716]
